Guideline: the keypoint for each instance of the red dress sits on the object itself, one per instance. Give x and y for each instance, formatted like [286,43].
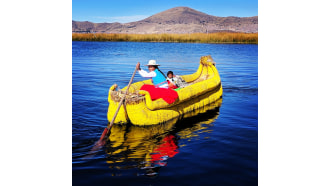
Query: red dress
[167,95]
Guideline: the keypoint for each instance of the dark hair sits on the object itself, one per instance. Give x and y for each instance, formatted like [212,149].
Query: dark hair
[169,72]
[161,71]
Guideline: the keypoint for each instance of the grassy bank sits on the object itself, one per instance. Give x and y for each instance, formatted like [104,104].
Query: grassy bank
[221,37]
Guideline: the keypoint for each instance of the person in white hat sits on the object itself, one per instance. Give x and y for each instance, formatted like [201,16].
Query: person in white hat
[157,77]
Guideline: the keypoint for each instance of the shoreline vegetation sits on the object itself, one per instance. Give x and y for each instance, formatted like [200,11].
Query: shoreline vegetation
[220,37]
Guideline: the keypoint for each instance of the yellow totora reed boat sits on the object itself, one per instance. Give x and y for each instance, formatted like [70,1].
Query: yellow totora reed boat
[204,88]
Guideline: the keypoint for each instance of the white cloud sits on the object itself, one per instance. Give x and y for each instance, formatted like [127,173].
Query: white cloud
[120,19]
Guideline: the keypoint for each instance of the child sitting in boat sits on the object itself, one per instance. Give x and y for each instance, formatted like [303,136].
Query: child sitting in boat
[157,77]
[175,81]
[171,78]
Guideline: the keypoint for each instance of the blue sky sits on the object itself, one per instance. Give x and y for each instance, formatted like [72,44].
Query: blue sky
[124,11]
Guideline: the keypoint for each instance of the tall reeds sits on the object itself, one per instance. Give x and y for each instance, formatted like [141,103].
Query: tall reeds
[221,37]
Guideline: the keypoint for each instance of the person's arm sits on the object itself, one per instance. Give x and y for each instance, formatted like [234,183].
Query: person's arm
[145,74]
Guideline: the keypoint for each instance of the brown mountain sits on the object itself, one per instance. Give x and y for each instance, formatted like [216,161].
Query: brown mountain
[174,20]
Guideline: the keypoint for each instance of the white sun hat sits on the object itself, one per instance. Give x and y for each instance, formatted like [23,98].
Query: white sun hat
[152,62]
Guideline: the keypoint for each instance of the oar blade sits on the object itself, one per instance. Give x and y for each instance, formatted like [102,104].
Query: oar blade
[104,134]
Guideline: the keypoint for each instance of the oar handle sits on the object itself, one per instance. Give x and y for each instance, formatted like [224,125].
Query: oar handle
[122,99]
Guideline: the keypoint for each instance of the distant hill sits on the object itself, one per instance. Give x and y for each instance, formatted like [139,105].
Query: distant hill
[174,20]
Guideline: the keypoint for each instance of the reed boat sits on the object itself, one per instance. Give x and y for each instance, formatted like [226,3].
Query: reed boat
[204,89]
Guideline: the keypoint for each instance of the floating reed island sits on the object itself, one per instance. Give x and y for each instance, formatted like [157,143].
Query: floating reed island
[221,37]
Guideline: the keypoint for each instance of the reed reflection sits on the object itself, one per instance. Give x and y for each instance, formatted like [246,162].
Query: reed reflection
[149,148]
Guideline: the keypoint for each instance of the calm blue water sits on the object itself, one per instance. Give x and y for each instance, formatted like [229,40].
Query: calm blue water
[219,147]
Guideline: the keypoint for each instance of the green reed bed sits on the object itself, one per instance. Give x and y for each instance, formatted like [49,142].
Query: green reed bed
[221,37]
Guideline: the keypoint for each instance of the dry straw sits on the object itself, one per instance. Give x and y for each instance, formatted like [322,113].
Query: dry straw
[221,37]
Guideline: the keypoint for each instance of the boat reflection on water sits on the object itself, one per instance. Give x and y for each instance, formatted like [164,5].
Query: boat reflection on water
[148,148]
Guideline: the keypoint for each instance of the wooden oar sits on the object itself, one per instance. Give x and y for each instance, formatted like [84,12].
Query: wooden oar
[101,141]
[106,130]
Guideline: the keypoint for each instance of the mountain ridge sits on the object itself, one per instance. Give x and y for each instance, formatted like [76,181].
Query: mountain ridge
[174,20]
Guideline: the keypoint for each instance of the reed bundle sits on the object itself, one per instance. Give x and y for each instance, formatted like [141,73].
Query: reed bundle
[130,97]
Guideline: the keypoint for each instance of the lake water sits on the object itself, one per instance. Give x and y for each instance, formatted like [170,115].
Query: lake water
[219,147]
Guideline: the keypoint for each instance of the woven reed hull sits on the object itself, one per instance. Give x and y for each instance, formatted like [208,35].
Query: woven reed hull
[206,90]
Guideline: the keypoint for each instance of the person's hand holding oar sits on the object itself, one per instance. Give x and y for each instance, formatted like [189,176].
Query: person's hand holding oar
[101,141]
